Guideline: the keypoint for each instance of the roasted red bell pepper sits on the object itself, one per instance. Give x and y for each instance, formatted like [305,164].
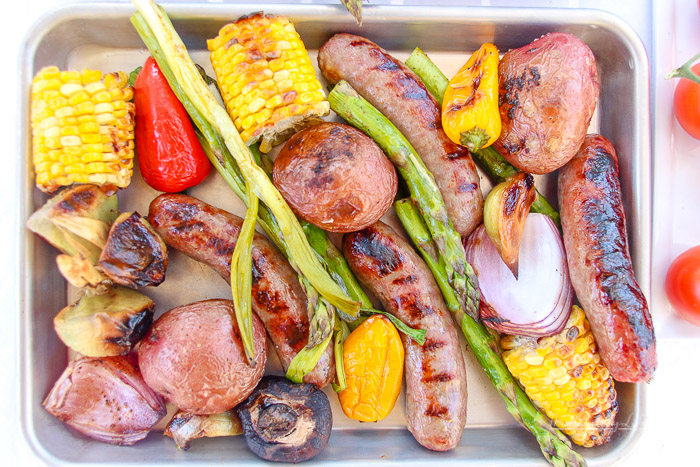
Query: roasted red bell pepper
[170,156]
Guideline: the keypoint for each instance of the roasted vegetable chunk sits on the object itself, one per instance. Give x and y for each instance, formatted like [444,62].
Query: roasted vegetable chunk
[373,356]
[76,221]
[335,177]
[186,426]
[105,325]
[82,128]
[266,78]
[193,356]
[548,91]
[105,399]
[134,255]
[565,377]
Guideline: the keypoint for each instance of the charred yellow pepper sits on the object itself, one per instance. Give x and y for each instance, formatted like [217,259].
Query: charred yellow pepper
[373,358]
[470,114]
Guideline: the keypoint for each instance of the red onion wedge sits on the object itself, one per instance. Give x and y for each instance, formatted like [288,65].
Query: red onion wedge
[538,302]
[105,399]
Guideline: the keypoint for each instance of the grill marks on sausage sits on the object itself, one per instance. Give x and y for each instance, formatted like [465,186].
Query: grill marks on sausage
[430,376]
[413,304]
[382,259]
[605,222]
[410,279]
[436,410]
[431,344]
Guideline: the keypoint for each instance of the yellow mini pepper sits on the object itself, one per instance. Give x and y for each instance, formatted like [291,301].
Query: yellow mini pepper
[470,114]
[373,358]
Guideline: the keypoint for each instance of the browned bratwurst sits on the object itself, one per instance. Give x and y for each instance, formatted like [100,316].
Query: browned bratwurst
[403,98]
[209,235]
[595,238]
[436,380]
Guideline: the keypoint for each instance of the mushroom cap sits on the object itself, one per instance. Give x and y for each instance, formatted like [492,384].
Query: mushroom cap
[286,422]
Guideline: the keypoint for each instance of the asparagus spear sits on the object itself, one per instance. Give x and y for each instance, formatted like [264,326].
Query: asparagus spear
[355,9]
[431,75]
[348,104]
[496,167]
[554,445]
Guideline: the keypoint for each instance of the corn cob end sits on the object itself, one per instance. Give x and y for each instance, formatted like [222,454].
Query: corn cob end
[566,379]
[82,128]
[267,79]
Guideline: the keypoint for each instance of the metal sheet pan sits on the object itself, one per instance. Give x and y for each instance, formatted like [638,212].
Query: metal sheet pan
[101,36]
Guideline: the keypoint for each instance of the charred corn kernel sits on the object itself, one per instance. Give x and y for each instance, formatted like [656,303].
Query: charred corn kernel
[83,123]
[373,357]
[470,114]
[576,392]
[263,57]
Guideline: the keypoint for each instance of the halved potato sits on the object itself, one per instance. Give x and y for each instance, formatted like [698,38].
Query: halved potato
[105,325]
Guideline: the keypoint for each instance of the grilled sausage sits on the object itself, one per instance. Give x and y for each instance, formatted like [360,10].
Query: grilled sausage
[403,98]
[595,238]
[209,235]
[436,380]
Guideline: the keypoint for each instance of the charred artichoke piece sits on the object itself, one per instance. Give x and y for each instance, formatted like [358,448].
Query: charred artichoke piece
[76,221]
[105,399]
[134,255]
[186,426]
[105,325]
[285,422]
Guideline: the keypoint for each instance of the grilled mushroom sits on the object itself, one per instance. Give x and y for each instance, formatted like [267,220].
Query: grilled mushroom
[286,422]
[135,255]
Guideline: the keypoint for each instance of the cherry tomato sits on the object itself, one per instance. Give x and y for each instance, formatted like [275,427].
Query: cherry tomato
[683,285]
[169,154]
[686,104]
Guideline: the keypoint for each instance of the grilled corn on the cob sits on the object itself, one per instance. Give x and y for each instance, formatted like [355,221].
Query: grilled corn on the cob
[82,128]
[565,377]
[266,78]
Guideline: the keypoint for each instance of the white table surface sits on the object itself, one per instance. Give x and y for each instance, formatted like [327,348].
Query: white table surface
[670,30]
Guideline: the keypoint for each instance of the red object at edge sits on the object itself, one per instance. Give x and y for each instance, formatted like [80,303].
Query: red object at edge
[169,154]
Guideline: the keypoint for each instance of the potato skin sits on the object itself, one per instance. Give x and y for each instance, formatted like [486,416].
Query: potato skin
[193,356]
[548,91]
[335,177]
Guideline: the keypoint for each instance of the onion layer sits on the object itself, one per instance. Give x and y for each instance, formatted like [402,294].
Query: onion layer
[538,302]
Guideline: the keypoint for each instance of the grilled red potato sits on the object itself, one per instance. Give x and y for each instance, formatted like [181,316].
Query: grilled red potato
[335,177]
[548,91]
[194,357]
